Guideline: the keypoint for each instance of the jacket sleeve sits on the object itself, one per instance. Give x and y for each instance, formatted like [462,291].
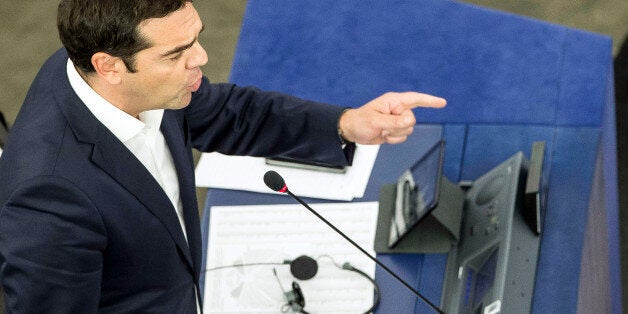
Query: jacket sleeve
[238,120]
[51,239]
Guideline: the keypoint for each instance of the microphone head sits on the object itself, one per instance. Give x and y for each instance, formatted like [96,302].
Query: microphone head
[275,182]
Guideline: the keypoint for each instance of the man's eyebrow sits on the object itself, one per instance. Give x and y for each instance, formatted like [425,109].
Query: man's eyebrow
[182,47]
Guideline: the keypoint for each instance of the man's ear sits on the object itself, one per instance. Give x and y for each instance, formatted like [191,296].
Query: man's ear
[108,67]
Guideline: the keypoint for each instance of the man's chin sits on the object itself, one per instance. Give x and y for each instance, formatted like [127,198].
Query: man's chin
[182,102]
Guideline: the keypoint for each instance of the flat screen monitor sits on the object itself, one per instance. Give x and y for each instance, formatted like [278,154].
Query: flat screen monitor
[417,193]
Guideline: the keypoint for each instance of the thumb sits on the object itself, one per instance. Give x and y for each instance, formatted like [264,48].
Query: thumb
[395,121]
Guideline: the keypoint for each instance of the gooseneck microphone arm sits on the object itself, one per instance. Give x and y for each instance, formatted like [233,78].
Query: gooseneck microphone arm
[276,183]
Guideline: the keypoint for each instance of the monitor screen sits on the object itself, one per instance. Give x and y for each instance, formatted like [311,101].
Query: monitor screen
[479,280]
[417,193]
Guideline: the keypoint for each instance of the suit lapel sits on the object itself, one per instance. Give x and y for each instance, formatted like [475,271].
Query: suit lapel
[115,159]
[176,139]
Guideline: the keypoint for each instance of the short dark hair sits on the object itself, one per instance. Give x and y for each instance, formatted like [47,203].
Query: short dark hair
[111,26]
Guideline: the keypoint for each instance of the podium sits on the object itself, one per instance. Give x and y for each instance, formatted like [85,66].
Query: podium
[509,81]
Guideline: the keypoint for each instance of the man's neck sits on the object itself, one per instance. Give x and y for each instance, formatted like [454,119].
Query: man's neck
[105,91]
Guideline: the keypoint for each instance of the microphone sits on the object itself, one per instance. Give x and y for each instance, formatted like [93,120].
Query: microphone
[275,182]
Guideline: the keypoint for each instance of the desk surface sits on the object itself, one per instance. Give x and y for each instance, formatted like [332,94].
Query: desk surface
[509,81]
[559,261]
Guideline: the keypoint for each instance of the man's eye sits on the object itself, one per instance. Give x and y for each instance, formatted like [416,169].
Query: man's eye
[176,57]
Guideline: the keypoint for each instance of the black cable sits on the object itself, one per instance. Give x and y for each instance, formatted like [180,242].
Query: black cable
[347,266]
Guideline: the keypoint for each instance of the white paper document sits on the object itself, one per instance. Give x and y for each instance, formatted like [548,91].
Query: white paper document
[272,234]
[216,170]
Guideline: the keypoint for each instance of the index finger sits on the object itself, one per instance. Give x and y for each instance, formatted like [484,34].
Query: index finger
[412,100]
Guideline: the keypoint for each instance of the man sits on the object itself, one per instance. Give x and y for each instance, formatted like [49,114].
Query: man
[97,192]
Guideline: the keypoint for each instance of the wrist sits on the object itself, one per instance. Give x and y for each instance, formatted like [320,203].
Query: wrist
[342,135]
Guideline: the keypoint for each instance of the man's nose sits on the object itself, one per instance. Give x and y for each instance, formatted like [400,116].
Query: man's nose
[198,57]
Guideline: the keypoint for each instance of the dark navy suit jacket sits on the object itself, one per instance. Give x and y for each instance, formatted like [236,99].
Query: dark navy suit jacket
[84,227]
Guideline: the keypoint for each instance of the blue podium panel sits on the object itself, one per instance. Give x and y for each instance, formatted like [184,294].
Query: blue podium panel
[571,175]
[430,286]
[348,52]
[395,298]
[509,81]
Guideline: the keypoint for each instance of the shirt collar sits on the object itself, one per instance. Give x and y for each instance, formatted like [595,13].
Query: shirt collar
[122,125]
